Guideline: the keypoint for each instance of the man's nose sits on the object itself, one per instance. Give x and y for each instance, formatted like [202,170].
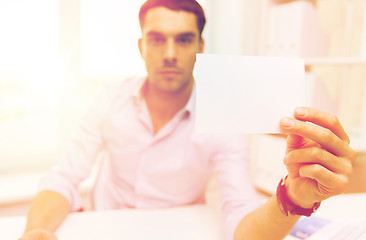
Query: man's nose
[170,53]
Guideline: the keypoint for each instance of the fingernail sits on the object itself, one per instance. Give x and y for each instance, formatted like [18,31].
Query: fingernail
[302,112]
[287,123]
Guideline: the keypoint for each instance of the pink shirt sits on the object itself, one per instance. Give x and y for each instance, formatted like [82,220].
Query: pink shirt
[147,170]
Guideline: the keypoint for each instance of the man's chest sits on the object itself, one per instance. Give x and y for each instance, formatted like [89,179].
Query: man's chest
[133,146]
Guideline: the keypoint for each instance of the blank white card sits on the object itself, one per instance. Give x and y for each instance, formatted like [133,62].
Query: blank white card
[245,94]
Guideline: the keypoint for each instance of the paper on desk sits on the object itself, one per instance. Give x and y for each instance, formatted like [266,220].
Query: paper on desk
[242,94]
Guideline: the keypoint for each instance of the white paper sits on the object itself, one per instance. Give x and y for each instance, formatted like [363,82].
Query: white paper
[245,94]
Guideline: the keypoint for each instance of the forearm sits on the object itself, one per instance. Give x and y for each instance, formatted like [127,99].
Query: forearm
[267,222]
[47,211]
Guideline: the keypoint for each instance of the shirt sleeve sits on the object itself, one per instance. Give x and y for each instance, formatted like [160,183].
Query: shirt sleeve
[237,193]
[76,163]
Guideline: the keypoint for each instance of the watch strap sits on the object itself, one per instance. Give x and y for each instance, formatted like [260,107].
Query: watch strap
[287,206]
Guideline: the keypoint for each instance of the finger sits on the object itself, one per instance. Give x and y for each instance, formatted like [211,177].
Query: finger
[329,183]
[293,170]
[296,141]
[323,136]
[315,155]
[323,119]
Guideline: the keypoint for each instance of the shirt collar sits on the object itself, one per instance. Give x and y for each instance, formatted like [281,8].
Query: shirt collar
[137,91]
[191,104]
[137,96]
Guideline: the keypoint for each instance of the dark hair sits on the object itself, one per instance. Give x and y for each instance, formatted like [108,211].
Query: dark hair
[176,5]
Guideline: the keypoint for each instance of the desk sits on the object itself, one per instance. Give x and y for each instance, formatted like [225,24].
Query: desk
[342,217]
[196,222]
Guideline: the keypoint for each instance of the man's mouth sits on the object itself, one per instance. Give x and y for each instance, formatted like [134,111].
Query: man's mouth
[170,72]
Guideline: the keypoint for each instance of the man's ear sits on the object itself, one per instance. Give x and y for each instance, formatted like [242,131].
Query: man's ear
[140,47]
[201,46]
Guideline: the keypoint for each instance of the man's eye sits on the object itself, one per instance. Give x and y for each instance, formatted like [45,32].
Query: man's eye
[156,40]
[184,40]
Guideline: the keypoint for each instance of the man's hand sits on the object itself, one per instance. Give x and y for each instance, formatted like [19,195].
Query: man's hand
[318,157]
[38,234]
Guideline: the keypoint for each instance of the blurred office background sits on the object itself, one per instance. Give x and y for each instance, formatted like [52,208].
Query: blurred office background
[55,55]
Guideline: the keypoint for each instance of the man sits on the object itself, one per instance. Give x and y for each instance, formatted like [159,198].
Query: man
[156,160]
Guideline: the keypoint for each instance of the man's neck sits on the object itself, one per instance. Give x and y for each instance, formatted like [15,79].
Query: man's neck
[163,106]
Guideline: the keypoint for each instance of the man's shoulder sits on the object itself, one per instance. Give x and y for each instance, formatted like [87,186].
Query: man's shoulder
[124,87]
[129,84]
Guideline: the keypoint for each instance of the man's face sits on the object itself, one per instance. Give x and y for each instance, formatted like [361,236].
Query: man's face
[169,43]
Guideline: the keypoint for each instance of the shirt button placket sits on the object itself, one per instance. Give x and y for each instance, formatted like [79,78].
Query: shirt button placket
[141,176]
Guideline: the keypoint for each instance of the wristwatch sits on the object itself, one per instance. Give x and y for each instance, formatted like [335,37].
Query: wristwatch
[287,206]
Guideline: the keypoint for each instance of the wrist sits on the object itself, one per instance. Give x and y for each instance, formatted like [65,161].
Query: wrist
[294,198]
[288,206]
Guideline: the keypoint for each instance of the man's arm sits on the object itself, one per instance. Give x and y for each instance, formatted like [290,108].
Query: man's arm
[319,163]
[46,213]
[266,222]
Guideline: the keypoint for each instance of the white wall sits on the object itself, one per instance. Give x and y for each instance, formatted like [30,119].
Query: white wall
[232,26]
